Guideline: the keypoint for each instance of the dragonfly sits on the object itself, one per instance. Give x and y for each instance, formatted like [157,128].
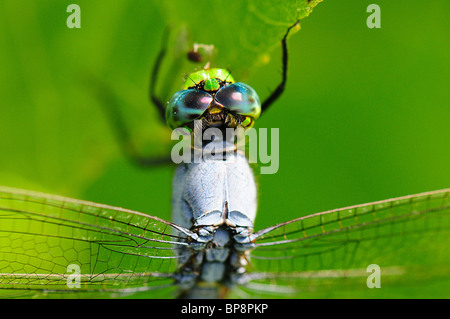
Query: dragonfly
[56,246]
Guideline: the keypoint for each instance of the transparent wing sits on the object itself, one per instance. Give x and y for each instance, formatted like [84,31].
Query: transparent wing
[408,237]
[56,244]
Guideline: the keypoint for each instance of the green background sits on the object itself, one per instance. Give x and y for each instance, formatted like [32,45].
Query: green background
[365,115]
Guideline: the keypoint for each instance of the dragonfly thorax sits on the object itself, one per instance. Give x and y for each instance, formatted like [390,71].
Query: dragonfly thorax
[216,201]
[213,225]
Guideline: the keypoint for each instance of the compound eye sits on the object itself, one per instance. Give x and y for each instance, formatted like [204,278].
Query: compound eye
[186,106]
[240,98]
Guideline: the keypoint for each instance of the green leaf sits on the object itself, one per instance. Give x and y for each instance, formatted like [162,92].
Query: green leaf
[243,32]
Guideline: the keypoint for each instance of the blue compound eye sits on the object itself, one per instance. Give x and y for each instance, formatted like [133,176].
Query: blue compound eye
[186,106]
[240,98]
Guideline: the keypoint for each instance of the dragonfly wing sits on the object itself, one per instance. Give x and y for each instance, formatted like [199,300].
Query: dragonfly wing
[56,244]
[407,237]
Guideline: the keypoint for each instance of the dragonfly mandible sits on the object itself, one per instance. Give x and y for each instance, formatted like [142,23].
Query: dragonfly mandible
[53,246]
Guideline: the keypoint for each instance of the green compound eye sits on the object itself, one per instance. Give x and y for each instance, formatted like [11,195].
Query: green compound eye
[186,106]
[240,98]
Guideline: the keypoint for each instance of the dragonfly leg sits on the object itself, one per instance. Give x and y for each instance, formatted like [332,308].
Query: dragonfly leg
[111,105]
[280,88]
[159,104]
[110,102]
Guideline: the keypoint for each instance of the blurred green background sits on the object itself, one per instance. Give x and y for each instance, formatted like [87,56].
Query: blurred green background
[365,115]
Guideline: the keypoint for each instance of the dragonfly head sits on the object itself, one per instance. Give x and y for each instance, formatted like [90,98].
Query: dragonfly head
[213,97]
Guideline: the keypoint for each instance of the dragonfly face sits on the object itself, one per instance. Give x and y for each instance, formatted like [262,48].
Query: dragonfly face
[213,97]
